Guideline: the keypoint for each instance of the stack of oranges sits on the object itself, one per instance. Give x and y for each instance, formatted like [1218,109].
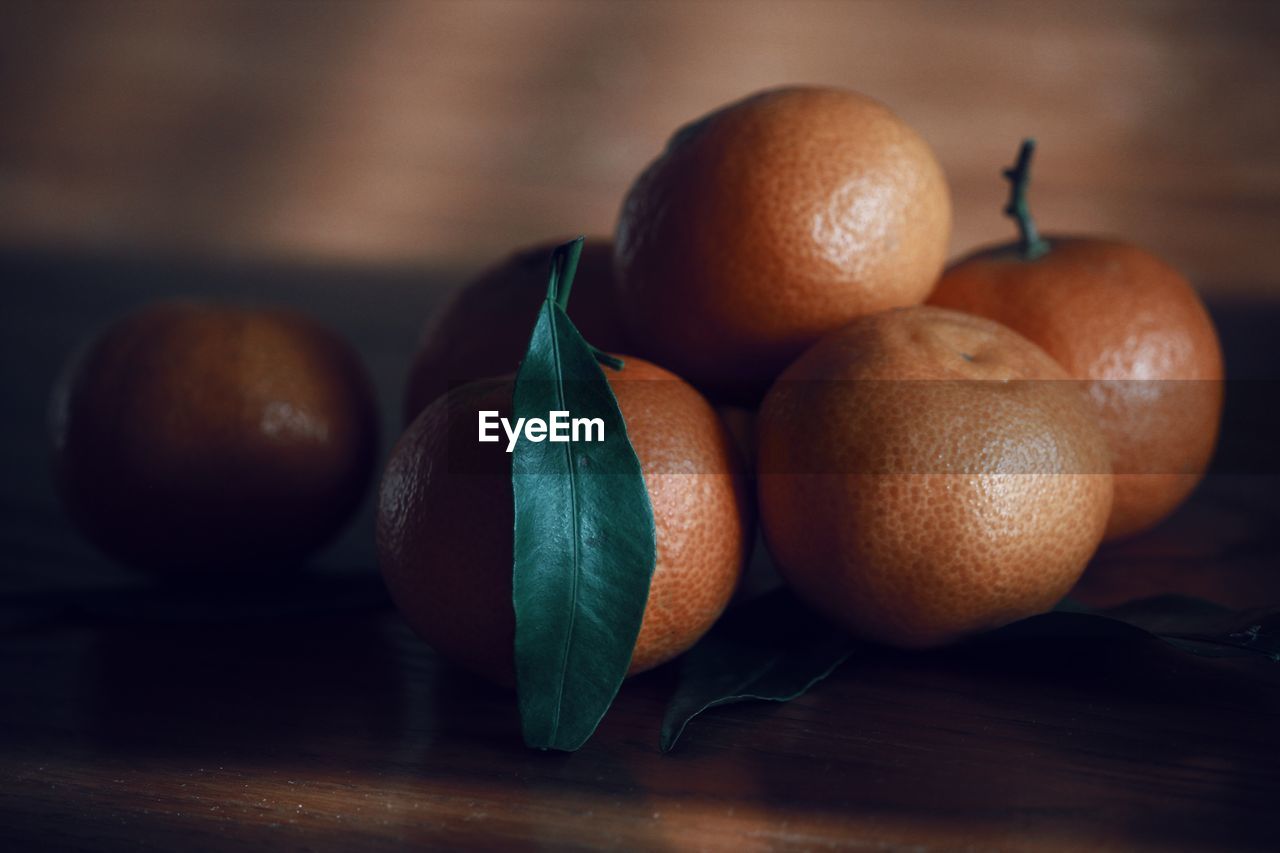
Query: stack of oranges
[930,452]
[935,452]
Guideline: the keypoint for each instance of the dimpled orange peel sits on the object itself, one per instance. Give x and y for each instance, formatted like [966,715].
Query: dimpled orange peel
[771,221]
[925,475]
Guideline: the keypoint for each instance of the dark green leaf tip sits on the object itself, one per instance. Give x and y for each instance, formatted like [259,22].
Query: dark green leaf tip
[564,266]
[1031,244]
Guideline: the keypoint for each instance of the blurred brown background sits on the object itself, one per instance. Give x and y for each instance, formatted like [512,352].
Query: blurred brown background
[442,133]
[357,159]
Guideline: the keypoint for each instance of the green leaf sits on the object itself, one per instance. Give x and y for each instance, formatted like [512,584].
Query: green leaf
[738,660]
[1189,624]
[584,535]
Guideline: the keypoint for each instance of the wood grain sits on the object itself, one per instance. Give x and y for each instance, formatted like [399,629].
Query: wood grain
[349,735]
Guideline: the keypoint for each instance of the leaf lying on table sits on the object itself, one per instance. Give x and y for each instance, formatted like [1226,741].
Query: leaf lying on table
[584,535]
[774,649]
[1190,624]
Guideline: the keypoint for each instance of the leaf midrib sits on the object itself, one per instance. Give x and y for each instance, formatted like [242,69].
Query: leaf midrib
[573,499]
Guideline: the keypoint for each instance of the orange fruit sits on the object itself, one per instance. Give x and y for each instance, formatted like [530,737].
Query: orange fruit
[194,438]
[926,474]
[445,520]
[484,328]
[770,222]
[1127,322]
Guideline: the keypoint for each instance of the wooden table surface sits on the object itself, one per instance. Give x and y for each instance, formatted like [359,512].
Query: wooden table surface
[356,164]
